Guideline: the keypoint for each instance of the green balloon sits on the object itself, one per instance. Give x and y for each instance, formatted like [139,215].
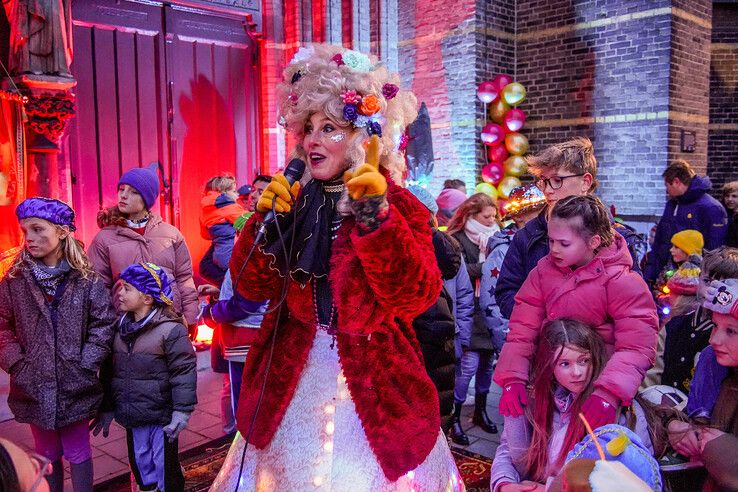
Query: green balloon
[487,189]
[514,93]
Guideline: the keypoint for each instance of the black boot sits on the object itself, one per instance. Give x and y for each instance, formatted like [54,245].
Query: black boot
[480,414]
[457,433]
[56,478]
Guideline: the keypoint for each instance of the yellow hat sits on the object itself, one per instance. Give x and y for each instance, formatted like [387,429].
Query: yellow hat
[689,241]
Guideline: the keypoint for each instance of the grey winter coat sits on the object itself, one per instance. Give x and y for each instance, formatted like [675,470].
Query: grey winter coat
[53,350]
[151,376]
[114,248]
[497,247]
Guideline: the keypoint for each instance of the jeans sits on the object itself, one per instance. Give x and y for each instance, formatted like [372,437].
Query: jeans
[471,362]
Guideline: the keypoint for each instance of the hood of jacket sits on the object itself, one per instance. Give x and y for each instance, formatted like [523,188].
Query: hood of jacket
[217,208]
[698,187]
[503,236]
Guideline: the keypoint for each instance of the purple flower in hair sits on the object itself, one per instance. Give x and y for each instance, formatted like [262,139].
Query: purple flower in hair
[374,128]
[389,91]
[350,112]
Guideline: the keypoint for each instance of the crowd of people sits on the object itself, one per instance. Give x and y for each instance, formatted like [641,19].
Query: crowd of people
[350,325]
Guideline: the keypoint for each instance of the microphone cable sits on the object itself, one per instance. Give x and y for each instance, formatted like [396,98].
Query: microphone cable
[273,336]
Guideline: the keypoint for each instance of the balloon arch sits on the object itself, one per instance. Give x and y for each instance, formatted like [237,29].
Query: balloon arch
[506,146]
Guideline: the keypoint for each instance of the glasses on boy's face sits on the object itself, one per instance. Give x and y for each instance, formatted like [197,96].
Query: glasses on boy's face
[44,469]
[555,182]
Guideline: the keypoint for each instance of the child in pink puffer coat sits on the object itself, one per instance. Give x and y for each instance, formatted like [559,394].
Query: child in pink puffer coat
[586,276]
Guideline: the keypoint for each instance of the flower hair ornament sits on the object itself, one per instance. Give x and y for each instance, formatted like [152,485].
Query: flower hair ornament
[360,110]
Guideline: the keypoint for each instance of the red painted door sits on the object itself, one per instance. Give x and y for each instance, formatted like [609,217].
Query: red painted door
[162,84]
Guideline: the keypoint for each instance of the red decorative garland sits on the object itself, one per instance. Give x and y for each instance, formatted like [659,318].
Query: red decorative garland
[48,113]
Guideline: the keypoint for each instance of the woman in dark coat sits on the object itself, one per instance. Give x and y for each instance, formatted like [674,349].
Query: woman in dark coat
[474,222]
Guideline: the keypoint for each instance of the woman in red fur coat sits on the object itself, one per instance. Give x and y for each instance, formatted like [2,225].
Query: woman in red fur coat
[335,395]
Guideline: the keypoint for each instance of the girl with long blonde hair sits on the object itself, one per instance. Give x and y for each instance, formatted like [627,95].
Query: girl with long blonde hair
[56,326]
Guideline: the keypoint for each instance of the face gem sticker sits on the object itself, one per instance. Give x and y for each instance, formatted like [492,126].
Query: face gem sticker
[338,137]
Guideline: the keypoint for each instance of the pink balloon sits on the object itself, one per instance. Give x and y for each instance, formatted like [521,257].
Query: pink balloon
[488,92]
[501,81]
[514,120]
[492,134]
[497,153]
[493,173]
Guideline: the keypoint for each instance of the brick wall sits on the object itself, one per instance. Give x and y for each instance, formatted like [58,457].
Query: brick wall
[437,60]
[443,55]
[722,152]
[617,72]
[689,99]
[630,75]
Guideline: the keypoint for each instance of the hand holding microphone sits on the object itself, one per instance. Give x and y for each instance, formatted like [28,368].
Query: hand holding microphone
[285,193]
[285,187]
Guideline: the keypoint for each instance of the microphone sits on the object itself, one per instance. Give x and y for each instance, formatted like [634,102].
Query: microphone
[293,172]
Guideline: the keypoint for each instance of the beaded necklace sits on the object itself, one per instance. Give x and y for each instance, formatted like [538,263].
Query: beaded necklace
[328,327]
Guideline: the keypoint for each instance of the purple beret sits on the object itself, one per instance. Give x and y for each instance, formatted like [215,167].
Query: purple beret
[55,211]
[149,279]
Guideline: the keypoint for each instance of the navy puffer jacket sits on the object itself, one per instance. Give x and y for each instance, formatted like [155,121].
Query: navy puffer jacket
[697,210]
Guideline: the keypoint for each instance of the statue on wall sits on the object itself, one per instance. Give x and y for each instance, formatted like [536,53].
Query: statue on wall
[40,36]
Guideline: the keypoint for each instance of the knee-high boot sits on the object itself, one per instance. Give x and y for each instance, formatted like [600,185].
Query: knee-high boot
[56,478]
[480,414]
[457,432]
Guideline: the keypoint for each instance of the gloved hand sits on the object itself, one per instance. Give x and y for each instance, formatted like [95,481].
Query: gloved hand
[514,398]
[721,296]
[101,423]
[367,181]
[286,195]
[598,411]
[177,425]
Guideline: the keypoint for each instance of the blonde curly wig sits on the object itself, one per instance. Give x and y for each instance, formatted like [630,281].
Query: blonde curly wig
[314,81]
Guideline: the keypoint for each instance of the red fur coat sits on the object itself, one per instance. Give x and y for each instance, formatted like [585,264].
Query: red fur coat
[380,282]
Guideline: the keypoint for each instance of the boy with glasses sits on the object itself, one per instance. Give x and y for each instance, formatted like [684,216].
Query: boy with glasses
[562,170]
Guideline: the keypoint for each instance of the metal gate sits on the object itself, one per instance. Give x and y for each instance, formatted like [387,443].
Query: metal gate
[161,83]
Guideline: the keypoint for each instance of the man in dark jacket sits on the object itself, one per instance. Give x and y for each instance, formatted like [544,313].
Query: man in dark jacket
[562,170]
[689,207]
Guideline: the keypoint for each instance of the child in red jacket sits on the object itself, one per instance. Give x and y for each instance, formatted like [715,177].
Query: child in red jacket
[586,276]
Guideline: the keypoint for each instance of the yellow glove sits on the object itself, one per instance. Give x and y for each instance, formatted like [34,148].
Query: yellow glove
[367,181]
[285,194]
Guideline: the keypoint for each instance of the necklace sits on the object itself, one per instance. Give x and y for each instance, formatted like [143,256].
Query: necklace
[142,220]
[329,328]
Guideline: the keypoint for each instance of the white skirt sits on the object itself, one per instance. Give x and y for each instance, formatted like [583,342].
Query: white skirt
[320,444]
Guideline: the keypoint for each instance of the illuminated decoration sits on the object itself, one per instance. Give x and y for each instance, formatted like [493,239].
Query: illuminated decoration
[203,337]
[13,96]
[13,170]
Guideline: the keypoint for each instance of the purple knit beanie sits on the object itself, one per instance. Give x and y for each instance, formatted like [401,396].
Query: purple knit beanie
[145,180]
